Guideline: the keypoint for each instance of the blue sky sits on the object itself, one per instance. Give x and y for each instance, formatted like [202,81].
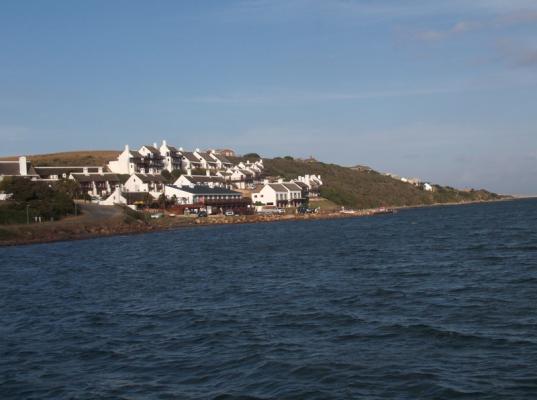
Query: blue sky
[442,90]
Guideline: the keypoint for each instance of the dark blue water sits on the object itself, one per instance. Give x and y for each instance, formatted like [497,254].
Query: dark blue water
[431,303]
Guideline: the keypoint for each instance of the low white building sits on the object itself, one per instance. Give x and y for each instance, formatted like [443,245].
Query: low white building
[200,180]
[313,182]
[282,194]
[201,194]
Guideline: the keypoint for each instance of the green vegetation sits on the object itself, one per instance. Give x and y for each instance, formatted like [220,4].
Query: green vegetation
[368,188]
[72,158]
[36,199]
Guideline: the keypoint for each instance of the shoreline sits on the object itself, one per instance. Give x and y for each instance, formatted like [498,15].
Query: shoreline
[61,231]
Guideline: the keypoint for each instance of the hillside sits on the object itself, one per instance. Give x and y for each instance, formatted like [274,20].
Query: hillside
[362,188]
[72,158]
[357,187]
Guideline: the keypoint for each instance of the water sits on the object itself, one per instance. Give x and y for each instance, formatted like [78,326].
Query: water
[431,303]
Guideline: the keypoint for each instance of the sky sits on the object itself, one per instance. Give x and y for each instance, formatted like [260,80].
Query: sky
[440,90]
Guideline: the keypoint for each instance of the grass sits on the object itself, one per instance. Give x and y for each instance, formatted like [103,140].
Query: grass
[72,158]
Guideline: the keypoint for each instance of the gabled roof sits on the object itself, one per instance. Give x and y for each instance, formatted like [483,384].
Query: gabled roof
[301,184]
[220,157]
[12,168]
[278,187]
[148,178]
[190,156]
[292,186]
[206,190]
[152,149]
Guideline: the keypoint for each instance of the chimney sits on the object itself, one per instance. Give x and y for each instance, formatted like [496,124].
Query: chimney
[197,150]
[23,166]
[164,143]
[100,170]
[188,171]
[265,181]
[181,149]
[127,148]
[207,172]
[85,170]
[280,180]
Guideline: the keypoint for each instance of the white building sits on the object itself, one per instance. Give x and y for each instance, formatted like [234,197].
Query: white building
[206,160]
[171,157]
[201,194]
[200,180]
[148,183]
[282,194]
[314,183]
[146,161]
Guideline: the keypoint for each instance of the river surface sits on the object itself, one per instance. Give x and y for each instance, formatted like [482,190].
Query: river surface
[434,303]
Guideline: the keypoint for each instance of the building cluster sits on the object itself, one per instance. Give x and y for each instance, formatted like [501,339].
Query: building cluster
[412,181]
[195,179]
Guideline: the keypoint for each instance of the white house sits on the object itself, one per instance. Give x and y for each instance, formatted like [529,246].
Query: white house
[148,183]
[282,194]
[314,183]
[171,157]
[206,160]
[221,160]
[146,160]
[428,187]
[96,184]
[189,161]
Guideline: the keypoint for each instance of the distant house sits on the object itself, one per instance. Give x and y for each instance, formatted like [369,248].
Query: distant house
[146,161]
[20,168]
[147,183]
[206,160]
[97,184]
[131,199]
[226,152]
[171,157]
[221,160]
[313,182]
[428,187]
[189,161]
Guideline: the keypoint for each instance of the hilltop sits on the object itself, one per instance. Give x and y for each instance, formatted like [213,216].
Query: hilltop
[72,158]
[358,186]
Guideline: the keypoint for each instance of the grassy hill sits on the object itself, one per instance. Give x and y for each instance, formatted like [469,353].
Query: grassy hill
[363,188]
[357,187]
[72,158]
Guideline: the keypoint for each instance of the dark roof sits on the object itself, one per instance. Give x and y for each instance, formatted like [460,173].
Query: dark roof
[223,159]
[147,178]
[47,171]
[96,177]
[278,187]
[301,184]
[12,168]
[204,178]
[190,156]
[205,190]
[152,149]
[292,186]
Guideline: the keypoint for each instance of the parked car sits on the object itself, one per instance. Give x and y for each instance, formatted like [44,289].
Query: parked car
[157,215]
[229,213]
[202,214]
[281,211]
